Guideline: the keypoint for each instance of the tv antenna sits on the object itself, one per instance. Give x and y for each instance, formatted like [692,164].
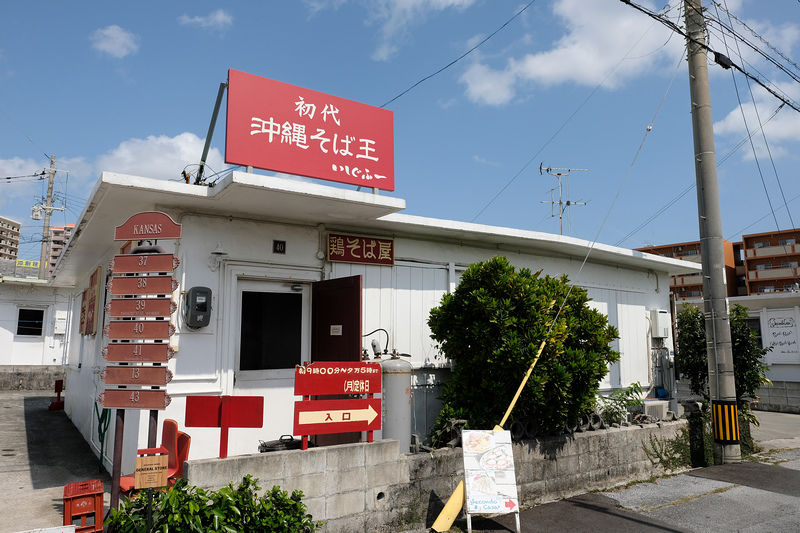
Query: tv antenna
[562,206]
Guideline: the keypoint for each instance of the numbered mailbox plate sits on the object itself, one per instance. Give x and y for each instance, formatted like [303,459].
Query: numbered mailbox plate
[137,352]
[153,376]
[142,285]
[134,399]
[140,307]
[138,329]
[141,263]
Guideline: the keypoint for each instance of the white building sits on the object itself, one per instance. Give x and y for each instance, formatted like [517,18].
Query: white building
[259,244]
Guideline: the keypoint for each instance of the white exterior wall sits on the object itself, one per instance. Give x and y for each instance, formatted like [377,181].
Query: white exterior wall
[47,349]
[397,299]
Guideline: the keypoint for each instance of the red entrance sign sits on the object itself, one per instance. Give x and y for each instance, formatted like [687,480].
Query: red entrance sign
[140,307]
[139,329]
[145,376]
[277,126]
[140,263]
[134,285]
[134,399]
[137,352]
[337,416]
[224,412]
[354,249]
[149,225]
[338,377]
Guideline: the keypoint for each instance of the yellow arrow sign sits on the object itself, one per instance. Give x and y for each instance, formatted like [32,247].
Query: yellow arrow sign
[344,415]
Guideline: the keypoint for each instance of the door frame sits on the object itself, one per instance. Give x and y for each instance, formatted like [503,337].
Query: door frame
[233,273]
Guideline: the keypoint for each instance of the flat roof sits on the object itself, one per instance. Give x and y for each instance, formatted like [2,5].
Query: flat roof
[116,197]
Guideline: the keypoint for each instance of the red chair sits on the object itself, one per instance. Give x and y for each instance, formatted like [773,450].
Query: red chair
[177,445]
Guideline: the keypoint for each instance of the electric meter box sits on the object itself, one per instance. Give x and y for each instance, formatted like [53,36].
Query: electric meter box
[660,323]
[198,307]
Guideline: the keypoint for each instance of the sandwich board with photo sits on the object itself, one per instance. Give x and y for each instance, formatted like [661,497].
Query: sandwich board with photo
[491,483]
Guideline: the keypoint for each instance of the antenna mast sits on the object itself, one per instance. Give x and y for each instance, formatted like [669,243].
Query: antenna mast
[561,205]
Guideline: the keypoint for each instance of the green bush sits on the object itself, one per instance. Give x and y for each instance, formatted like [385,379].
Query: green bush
[184,508]
[614,407]
[491,327]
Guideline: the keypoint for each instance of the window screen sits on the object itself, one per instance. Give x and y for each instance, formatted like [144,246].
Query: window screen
[30,322]
[271,330]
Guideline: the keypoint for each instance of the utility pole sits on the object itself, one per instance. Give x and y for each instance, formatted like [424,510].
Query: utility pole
[561,205]
[47,211]
[721,381]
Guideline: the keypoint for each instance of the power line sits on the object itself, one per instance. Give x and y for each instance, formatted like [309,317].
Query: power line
[462,56]
[721,59]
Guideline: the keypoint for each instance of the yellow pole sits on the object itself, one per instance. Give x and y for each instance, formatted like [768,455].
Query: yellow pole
[456,502]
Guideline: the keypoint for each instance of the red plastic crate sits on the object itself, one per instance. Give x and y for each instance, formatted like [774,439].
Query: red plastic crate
[83,505]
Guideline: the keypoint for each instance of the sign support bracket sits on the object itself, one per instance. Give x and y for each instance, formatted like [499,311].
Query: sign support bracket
[199,179]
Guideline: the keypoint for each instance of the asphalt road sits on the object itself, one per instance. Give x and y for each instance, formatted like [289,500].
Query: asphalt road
[42,451]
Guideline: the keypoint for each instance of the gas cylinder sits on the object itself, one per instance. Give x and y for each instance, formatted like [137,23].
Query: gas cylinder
[397,400]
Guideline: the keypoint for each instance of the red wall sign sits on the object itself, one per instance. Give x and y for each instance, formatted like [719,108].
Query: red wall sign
[124,264]
[277,126]
[140,307]
[138,352]
[139,329]
[132,285]
[149,225]
[145,376]
[134,399]
[354,249]
[339,377]
[337,416]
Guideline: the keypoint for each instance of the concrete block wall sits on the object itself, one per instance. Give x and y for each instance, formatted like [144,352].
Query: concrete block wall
[374,488]
[782,396]
[30,377]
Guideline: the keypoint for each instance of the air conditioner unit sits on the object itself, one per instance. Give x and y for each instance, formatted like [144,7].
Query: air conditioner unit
[656,408]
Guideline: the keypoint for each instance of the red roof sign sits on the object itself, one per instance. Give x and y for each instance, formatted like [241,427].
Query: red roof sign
[285,128]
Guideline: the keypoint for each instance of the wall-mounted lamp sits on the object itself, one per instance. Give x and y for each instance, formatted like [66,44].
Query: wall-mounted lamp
[217,256]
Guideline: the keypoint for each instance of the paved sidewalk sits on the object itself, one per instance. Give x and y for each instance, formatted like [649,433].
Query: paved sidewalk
[42,451]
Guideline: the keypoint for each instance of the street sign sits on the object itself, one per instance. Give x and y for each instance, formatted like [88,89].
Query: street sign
[126,285]
[145,376]
[140,307]
[138,352]
[141,263]
[139,329]
[134,399]
[150,225]
[224,412]
[322,417]
[337,377]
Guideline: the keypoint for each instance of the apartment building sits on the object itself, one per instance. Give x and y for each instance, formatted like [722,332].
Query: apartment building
[57,239]
[691,285]
[771,261]
[9,238]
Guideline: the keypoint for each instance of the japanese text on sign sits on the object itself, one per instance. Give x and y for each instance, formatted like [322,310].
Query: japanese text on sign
[282,127]
[354,249]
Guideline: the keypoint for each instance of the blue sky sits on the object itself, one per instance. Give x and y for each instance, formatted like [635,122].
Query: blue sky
[130,87]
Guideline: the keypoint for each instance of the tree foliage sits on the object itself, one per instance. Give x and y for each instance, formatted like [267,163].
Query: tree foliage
[491,327]
[750,371]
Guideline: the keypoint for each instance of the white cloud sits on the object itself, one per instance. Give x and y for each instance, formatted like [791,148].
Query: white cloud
[159,157]
[780,131]
[219,20]
[115,41]
[395,17]
[598,35]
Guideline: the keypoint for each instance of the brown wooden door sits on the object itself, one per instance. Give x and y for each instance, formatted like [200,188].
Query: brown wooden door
[336,320]
[336,333]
